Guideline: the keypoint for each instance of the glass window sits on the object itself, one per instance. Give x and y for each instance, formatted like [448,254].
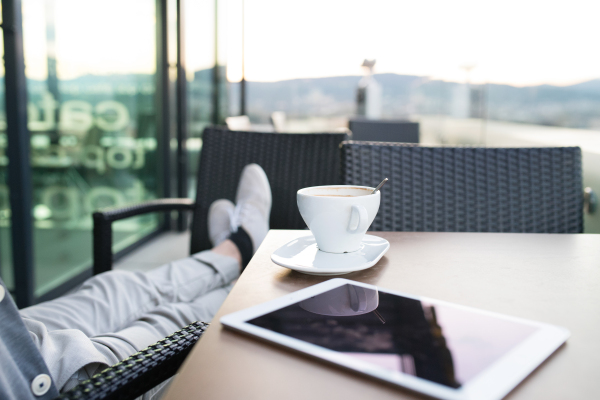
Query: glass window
[91,72]
[205,43]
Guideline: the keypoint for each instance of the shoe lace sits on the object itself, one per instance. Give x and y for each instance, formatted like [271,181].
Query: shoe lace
[240,213]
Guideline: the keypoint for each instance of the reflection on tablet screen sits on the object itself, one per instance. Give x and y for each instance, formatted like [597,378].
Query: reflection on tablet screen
[440,343]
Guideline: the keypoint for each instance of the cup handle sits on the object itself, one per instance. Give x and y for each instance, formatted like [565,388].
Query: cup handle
[363,219]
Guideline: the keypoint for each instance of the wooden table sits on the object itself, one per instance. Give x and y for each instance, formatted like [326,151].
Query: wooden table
[548,278]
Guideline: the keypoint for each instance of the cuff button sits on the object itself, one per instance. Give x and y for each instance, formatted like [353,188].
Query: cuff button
[41,384]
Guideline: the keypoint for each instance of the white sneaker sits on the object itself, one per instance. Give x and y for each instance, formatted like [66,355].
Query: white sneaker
[219,220]
[253,204]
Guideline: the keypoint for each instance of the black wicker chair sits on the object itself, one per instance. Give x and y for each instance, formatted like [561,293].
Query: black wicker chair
[142,371]
[470,189]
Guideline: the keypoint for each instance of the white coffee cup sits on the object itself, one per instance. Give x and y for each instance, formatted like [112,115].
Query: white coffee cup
[338,216]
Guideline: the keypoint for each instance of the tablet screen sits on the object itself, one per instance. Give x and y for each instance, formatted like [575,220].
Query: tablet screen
[441,343]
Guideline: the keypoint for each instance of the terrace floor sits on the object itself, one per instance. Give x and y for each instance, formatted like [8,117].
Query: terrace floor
[161,250]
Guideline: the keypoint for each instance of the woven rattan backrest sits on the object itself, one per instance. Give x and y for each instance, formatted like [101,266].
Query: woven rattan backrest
[291,162]
[470,189]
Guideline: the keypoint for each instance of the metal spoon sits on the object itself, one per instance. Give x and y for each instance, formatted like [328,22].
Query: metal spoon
[380,185]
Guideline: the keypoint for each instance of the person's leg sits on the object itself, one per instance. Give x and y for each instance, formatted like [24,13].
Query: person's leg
[148,329]
[162,321]
[70,353]
[253,207]
[152,305]
[246,231]
[110,301]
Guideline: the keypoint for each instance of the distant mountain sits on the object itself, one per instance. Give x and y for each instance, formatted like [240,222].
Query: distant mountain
[575,106]
[589,86]
[331,96]
[403,96]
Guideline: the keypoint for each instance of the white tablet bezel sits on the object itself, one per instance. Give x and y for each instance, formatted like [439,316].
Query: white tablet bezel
[494,382]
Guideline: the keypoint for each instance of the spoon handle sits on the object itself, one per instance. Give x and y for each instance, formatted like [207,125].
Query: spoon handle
[380,185]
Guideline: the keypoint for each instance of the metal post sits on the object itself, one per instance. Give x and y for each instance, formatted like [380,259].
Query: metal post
[19,170]
[182,134]
[216,72]
[243,81]
[162,105]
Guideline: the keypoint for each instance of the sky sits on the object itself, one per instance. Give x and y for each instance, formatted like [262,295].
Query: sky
[524,42]
[92,37]
[519,42]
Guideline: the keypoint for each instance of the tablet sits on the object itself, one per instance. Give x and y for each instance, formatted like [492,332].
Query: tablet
[434,347]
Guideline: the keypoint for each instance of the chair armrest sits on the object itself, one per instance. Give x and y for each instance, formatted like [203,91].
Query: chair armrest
[142,371]
[115,214]
[103,219]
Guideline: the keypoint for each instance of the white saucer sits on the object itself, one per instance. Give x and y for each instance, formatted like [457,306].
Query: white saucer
[302,255]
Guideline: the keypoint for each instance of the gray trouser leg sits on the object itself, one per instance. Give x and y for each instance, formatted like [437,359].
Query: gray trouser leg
[110,301]
[160,322]
[150,328]
[122,312]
